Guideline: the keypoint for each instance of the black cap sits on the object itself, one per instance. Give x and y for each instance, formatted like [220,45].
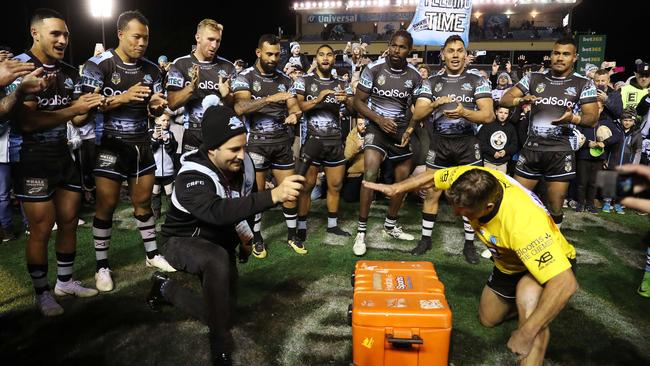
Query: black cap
[642,67]
[219,125]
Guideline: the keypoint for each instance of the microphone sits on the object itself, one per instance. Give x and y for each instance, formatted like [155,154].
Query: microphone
[309,152]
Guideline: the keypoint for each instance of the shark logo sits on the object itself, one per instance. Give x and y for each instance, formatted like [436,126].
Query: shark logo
[69,84]
[408,83]
[235,123]
[147,79]
[466,87]
[570,91]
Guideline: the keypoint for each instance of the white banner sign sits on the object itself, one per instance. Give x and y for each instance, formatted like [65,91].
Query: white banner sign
[435,20]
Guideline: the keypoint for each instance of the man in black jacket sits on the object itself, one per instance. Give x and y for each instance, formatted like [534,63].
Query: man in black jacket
[214,195]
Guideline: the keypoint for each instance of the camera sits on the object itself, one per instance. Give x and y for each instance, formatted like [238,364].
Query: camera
[615,185]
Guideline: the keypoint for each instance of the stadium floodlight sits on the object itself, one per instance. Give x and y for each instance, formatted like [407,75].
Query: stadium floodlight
[101,9]
[339,4]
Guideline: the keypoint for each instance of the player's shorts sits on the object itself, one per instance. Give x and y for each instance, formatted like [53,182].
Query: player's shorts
[118,160]
[378,140]
[274,156]
[192,140]
[553,166]
[448,151]
[505,285]
[331,154]
[42,169]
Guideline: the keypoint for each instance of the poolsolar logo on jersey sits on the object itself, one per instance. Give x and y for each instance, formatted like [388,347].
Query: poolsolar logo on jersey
[570,91]
[257,86]
[408,83]
[282,88]
[466,87]
[68,83]
[381,80]
[235,123]
[438,87]
[540,88]
[147,79]
[116,78]
[314,88]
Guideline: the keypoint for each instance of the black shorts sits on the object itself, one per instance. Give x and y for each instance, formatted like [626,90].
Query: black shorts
[553,166]
[447,151]
[376,139]
[192,139]
[42,169]
[331,154]
[118,160]
[275,156]
[505,285]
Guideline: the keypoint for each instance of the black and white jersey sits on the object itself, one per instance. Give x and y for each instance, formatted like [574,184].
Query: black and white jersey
[555,94]
[465,88]
[179,77]
[323,120]
[114,77]
[267,123]
[392,92]
[57,96]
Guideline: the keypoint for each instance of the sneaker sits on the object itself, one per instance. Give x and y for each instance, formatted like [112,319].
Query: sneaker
[9,236]
[591,209]
[487,254]
[607,207]
[155,299]
[338,231]
[73,288]
[159,262]
[48,305]
[565,204]
[297,245]
[573,203]
[259,250]
[469,251]
[422,247]
[619,209]
[397,233]
[641,213]
[644,288]
[359,247]
[580,207]
[103,280]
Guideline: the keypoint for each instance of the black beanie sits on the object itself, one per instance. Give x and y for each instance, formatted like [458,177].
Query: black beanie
[219,125]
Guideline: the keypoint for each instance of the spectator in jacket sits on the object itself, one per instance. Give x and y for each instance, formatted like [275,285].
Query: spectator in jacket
[163,146]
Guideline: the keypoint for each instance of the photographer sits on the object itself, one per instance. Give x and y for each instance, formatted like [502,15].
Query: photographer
[214,195]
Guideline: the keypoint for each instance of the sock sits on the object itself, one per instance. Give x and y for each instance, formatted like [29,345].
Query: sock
[102,240]
[647,261]
[389,222]
[332,219]
[302,222]
[291,217]
[147,228]
[428,220]
[257,227]
[469,232]
[38,273]
[362,225]
[558,220]
[64,263]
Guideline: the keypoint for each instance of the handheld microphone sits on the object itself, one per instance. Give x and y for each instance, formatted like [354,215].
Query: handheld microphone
[308,153]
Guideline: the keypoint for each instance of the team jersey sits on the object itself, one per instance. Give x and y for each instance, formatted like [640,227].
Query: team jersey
[521,235]
[267,124]
[323,119]
[392,92]
[555,94]
[114,77]
[178,77]
[55,97]
[465,88]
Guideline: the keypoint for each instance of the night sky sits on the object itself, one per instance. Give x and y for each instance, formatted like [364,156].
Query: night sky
[173,24]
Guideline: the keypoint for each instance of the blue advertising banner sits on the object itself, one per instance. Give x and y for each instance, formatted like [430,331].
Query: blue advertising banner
[435,20]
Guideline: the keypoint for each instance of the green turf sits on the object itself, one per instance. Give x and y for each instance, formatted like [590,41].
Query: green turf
[292,309]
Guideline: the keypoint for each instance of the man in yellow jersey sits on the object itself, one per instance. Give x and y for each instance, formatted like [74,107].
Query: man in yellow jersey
[533,262]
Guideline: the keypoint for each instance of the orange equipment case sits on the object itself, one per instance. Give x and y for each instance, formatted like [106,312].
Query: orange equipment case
[399,315]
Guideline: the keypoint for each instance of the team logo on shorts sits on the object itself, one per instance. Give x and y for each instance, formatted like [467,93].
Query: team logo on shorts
[540,88]
[408,83]
[477,152]
[521,161]
[116,78]
[438,87]
[381,80]
[282,88]
[314,88]
[105,160]
[35,186]
[257,86]
[431,156]
[370,137]
[257,158]
[147,79]
[466,87]
[568,166]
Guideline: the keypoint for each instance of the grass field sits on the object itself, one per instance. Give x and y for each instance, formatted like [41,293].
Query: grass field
[292,309]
